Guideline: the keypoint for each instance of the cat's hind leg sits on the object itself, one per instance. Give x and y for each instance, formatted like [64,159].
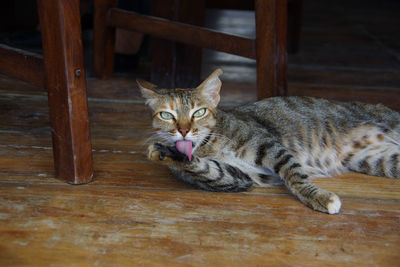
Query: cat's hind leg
[276,157]
[374,152]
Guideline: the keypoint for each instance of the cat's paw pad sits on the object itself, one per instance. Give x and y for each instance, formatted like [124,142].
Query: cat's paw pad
[334,204]
[152,153]
[160,152]
[157,152]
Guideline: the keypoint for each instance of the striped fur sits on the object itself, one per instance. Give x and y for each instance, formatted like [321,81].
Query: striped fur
[282,139]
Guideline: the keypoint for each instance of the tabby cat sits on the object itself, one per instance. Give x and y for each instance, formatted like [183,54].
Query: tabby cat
[279,139]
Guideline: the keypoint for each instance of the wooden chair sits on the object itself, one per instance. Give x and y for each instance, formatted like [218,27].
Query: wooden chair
[268,48]
[62,73]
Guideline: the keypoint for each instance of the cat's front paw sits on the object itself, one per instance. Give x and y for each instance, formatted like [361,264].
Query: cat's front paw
[157,152]
[334,204]
[165,154]
[326,201]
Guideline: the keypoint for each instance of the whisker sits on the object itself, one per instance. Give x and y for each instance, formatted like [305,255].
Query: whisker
[159,136]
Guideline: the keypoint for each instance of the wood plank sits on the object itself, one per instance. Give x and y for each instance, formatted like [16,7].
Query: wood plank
[30,113]
[176,31]
[347,93]
[23,65]
[354,79]
[197,228]
[337,35]
[66,84]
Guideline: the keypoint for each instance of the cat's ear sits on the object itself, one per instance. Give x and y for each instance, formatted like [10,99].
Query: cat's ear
[211,86]
[146,88]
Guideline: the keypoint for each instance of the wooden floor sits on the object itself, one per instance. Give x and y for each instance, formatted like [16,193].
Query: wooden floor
[136,213]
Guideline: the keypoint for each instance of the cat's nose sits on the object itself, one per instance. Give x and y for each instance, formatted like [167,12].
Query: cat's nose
[183,131]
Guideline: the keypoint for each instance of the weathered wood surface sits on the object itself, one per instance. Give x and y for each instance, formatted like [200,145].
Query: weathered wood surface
[56,224]
[22,65]
[135,212]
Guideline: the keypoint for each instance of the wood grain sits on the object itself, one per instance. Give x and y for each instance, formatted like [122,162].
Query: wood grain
[181,32]
[121,225]
[22,65]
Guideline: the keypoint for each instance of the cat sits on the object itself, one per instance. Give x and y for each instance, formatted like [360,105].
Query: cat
[276,140]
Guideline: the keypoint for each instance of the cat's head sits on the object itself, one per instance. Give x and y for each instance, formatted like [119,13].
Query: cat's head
[184,114]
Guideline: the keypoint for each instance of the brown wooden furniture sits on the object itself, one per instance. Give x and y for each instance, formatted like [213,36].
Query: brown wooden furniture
[61,72]
[268,49]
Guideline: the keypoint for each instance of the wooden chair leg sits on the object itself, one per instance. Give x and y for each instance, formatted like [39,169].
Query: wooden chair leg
[66,84]
[103,40]
[271,30]
[176,64]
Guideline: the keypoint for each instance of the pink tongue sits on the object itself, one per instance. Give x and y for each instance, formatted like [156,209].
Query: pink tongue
[185,147]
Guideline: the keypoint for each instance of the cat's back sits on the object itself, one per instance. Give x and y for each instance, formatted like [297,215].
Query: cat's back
[299,109]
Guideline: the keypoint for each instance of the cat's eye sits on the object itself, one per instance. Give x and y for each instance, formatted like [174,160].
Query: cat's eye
[166,115]
[199,113]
